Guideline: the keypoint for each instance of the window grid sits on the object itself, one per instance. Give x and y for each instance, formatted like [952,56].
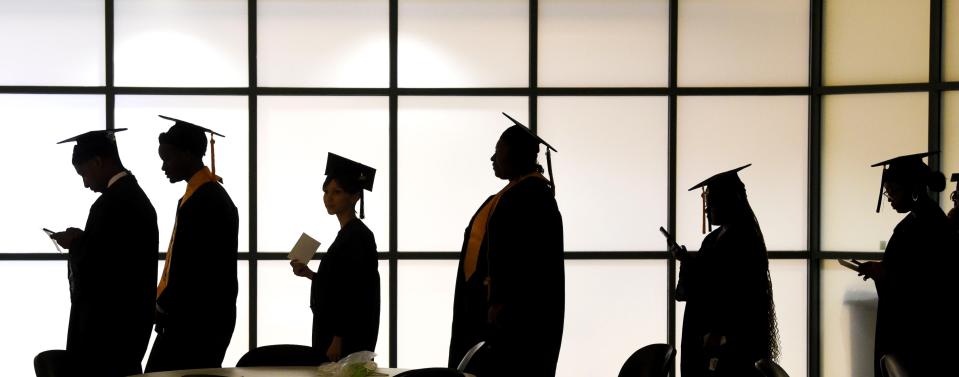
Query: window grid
[814,255]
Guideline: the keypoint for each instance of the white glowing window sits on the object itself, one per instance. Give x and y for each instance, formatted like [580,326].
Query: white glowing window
[462,43]
[40,122]
[790,282]
[612,309]
[848,328]
[950,41]
[603,43]
[138,148]
[283,307]
[861,45]
[610,169]
[424,319]
[294,136]
[35,319]
[52,42]
[743,42]
[716,134]
[180,43]
[240,343]
[858,131]
[328,43]
[445,173]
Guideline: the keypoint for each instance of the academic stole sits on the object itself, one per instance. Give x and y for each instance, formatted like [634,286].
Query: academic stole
[479,226]
[199,179]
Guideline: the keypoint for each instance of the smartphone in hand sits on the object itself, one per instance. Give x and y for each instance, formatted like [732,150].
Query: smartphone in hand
[850,264]
[50,234]
[669,238]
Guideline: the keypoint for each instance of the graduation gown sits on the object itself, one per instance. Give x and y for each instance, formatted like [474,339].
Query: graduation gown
[521,258]
[112,273]
[914,320]
[196,312]
[725,289]
[345,295]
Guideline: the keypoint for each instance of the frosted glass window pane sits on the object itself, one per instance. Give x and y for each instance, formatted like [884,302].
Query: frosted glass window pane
[615,147]
[181,43]
[424,312]
[445,173]
[35,319]
[789,279]
[330,43]
[612,309]
[226,115]
[42,121]
[858,131]
[721,133]
[950,53]
[283,307]
[463,43]
[294,135]
[743,42]
[848,312]
[240,343]
[52,42]
[603,43]
[860,46]
[950,144]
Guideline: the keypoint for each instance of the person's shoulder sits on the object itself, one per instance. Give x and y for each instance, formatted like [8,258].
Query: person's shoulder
[212,194]
[127,190]
[533,188]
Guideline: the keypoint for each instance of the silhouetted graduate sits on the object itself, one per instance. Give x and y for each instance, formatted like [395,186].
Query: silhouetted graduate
[510,284]
[196,296]
[730,318]
[345,295]
[915,279]
[112,264]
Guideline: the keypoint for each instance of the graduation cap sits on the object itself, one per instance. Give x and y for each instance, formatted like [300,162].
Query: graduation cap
[904,169]
[343,168]
[191,137]
[729,178]
[535,139]
[94,143]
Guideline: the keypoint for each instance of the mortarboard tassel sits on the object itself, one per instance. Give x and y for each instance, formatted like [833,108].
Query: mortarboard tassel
[213,158]
[704,211]
[883,180]
[212,154]
[362,206]
[549,168]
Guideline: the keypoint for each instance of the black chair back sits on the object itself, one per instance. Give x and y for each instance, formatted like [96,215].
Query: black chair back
[280,355]
[654,360]
[53,363]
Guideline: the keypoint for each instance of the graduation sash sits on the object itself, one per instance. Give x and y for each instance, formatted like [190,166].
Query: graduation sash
[480,223]
[199,179]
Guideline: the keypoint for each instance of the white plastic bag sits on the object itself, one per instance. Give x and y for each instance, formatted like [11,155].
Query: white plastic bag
[357,364]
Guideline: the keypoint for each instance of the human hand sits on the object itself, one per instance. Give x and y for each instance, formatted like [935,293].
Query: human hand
[67,237]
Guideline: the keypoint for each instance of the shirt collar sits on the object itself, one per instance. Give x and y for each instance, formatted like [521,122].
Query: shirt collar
[116,177]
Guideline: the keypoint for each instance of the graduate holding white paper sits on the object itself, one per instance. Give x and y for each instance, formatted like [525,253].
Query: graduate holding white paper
[915,279]
[304,249]
[345,295]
